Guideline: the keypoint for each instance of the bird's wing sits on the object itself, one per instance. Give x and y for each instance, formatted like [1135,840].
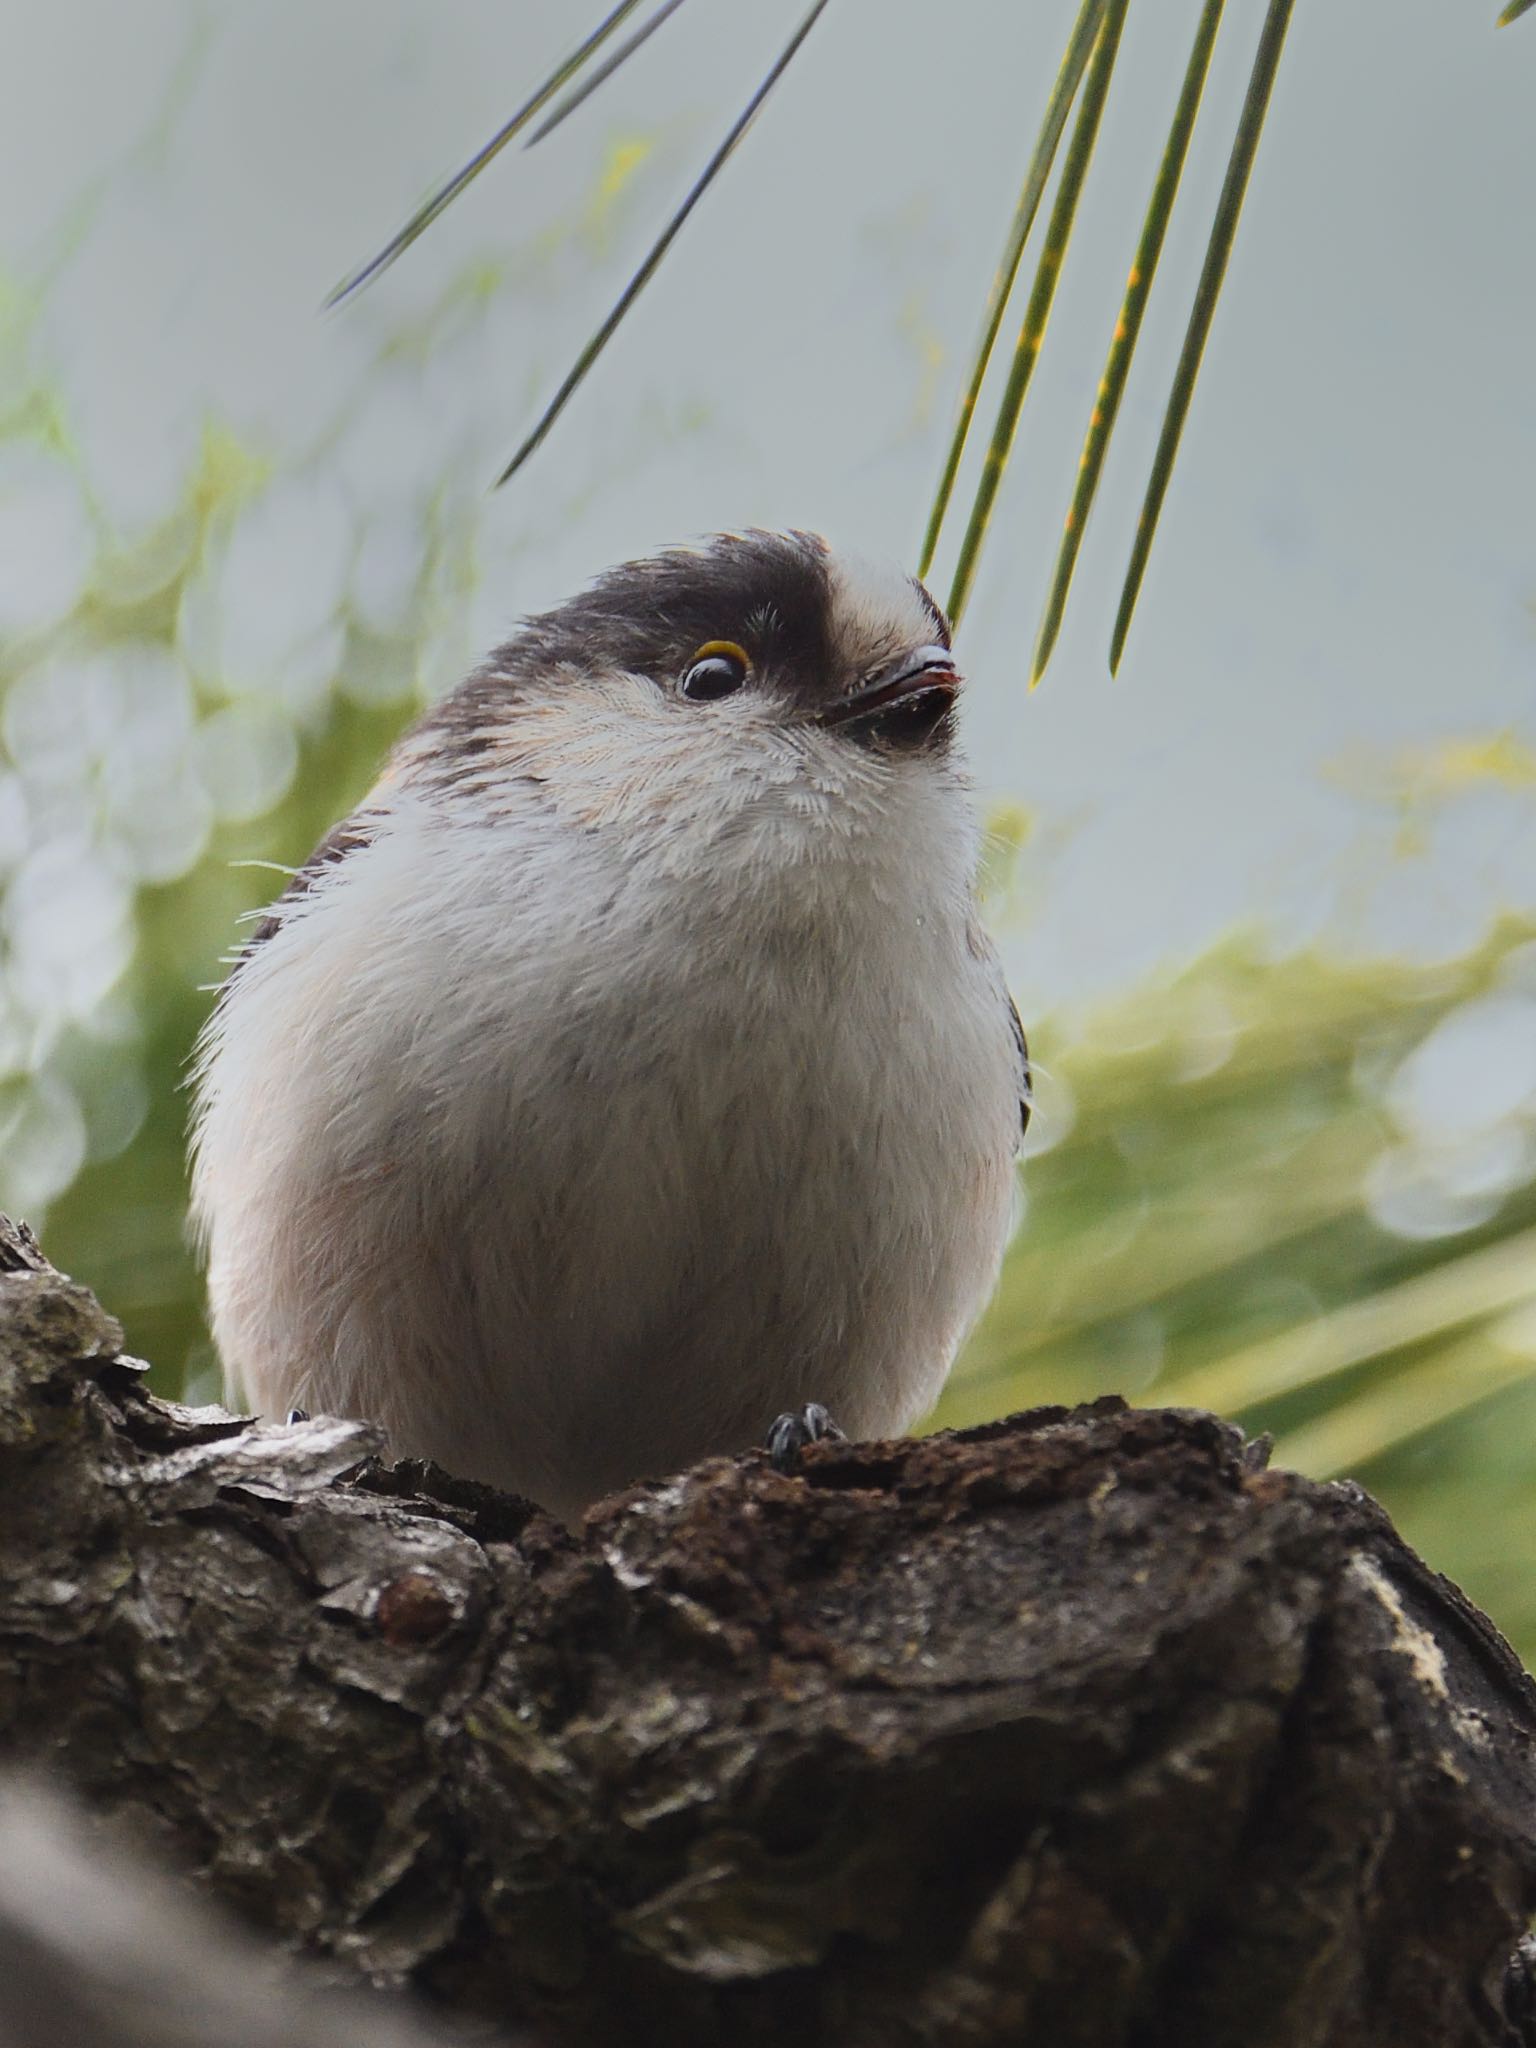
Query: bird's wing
[983,950]
[1026,1091]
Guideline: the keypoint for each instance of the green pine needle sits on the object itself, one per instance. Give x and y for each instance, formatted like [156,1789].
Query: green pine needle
[1228,210]
[1101,424]
[1037,312]
[1465,1289]
[1424,1398]
[1068,79]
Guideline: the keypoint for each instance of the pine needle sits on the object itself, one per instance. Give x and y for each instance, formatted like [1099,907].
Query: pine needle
[1068,78]
[1037,312]
[585,88]
[1461,1290]
[1228,210]
[659,248]
[445,195]
[1410,1404]
[1101,424]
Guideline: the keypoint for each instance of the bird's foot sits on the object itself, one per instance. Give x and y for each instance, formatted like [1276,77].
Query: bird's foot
[797,1427]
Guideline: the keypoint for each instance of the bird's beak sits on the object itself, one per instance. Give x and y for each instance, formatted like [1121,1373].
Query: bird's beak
[923,683]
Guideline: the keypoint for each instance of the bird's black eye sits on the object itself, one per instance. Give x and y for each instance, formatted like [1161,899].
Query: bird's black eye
[717,669]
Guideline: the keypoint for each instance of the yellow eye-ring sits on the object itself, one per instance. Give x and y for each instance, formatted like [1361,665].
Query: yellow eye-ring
[717,669]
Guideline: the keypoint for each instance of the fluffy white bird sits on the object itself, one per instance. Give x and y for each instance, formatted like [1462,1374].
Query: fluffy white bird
[631,1065]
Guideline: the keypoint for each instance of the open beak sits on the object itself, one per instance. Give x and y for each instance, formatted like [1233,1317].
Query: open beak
[905,700]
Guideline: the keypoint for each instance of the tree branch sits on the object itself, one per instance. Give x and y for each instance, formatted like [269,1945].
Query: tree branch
[1081,1728]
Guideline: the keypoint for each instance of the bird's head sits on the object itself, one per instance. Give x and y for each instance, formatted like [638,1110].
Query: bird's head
[701,680]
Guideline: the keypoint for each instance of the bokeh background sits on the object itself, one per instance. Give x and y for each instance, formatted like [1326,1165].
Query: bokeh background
[1268,901]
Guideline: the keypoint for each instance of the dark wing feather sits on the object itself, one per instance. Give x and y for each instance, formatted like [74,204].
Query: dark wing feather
[1026,1093]
[983,949]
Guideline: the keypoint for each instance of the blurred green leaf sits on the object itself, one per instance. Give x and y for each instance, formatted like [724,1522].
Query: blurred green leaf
[1359,1431]
[1203,1230]
[1473,1287]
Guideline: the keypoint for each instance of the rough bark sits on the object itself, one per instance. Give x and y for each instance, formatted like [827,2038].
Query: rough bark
[100,1950]
[1082,1728]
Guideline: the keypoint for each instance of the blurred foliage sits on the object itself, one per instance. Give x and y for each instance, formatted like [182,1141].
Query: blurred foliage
[121,1225]
[168,738]
[1302,1192]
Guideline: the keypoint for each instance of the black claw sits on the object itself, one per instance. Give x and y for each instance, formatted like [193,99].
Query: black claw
[298,1415]
[797,1427]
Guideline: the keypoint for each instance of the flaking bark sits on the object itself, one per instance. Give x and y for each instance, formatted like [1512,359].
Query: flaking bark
[1082,1728]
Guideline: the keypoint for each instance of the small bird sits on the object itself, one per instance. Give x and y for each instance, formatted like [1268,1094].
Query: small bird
[630,1066]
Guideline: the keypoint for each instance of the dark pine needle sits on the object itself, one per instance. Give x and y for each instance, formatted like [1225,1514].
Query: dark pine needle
[445,195]
[663,243]
[584,88]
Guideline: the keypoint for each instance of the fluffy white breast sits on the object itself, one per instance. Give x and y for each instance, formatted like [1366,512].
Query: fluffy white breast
[582,1120]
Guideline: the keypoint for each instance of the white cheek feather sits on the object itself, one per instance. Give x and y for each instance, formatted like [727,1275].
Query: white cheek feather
[572,1135]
